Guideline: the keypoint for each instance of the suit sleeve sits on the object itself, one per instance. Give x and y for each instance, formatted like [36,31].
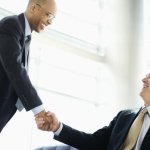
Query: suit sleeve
[85,141]
[11,60]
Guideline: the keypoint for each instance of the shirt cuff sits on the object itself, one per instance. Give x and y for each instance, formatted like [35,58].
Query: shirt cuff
[59,130]
[37,109]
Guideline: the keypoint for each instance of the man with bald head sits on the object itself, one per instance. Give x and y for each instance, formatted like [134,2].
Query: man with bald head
[16,89]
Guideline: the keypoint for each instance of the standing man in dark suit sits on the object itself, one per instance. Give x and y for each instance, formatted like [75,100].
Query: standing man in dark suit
[112,137]
[16,89]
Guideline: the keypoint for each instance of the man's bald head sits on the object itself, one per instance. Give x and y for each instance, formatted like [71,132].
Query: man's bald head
[41,2]
[40,13]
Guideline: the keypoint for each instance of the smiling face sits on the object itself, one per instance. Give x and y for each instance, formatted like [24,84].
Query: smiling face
[41,14]
[145,92]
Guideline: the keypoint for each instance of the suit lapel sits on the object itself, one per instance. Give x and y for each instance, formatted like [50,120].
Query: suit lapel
[22,40]
[22,22]
[128,118]
[22,27]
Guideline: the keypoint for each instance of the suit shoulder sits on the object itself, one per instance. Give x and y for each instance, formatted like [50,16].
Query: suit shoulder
[9,21]
[129,111]
[10,25]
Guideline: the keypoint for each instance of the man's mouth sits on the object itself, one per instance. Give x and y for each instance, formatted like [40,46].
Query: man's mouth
[145,86]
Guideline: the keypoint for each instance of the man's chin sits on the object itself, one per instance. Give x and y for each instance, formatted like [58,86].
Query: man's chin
[37,30]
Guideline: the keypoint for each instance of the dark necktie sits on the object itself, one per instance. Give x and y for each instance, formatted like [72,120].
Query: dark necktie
[27,44]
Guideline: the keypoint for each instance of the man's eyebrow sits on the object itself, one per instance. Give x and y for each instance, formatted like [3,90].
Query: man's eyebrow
[51,13]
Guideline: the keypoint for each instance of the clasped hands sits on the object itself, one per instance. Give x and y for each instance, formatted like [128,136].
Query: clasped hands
[47,121]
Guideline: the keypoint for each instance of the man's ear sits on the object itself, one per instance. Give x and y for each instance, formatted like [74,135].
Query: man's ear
[33,8]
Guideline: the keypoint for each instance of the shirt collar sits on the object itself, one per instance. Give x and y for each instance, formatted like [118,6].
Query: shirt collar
[27,27]
[148,108]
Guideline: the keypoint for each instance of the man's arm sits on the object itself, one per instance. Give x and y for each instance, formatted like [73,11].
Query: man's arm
[73,137]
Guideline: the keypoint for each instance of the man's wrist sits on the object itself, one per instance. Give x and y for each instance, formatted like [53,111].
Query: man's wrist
[58,131]
[38,109]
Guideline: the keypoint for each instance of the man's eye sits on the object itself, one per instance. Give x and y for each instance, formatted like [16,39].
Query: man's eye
[50,16]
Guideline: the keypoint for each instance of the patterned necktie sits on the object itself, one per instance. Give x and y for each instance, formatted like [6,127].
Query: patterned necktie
[134,131]
[27,44]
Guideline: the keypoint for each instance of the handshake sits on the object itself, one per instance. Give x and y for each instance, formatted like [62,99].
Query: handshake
[47,121]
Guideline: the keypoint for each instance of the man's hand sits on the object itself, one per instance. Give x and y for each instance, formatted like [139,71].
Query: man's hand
[51,123]
[43,115]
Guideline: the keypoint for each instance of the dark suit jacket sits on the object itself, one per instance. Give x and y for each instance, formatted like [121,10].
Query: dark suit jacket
[108,138]
[14,80]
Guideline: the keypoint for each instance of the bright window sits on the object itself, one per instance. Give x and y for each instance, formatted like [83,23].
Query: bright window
[75,18]
[73,85]
[146,52]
